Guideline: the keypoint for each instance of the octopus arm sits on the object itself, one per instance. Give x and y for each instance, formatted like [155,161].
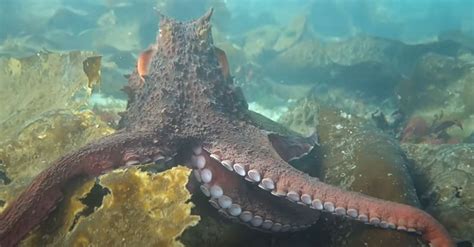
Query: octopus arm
[42,196]
[373,211]
[262,165]
[385,214]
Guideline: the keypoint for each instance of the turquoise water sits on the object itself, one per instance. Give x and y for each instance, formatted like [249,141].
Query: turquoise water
[393,19]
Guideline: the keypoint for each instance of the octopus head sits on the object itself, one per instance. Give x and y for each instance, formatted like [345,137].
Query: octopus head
[175,37]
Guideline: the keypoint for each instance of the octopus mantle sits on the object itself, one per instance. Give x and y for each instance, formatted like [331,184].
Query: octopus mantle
[184,107]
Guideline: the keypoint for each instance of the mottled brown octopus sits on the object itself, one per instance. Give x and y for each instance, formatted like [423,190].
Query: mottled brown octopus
[186,108]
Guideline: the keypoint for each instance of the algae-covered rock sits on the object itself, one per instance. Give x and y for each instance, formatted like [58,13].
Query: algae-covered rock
[441,85]
[445,183]
[304,117]
[304,61]
[370,64]
[435,80]
[356,156]
[360,158]
[139,209]
[468,93]
[348,61]
[292,33]
[260,39]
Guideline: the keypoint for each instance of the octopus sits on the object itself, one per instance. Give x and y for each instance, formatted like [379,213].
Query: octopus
[184,108]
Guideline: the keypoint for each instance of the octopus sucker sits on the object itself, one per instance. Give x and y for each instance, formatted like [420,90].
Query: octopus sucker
[221,197]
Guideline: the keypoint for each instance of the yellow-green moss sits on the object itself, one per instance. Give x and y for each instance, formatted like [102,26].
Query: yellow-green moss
[142,209]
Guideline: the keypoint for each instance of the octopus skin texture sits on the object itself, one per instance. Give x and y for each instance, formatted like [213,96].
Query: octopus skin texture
[186,109]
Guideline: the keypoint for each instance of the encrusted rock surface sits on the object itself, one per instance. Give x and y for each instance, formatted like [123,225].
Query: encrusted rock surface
[445,184]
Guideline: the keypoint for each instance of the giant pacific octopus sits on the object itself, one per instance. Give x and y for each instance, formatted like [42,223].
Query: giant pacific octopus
[183,107]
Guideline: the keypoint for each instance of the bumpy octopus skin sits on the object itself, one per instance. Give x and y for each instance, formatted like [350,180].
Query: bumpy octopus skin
[186,109]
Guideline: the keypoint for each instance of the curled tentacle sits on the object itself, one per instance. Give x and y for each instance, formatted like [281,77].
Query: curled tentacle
[42,196]
[229,192]
[261,165]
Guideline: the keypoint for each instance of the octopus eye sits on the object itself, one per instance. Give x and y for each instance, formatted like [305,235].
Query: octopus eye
[203,32]
[165,31]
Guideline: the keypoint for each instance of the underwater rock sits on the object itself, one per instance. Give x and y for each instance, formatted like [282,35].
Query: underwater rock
[303,118]
[445,183]
[313,54]
[70,20]
[306,60]
[417,130]
[357,157]
[366,49]
[292,33]
[440,84]
[369,64]
[433,75]
[437,70]
[113,36]
[470,138]
[363,63]
[458,36]
[468,93]
[259,40]
[360,158]
[137,209]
